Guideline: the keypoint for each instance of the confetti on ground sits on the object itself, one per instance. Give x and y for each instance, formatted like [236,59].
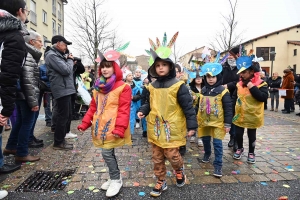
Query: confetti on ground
[196,155]
[169,173]
[275,172]
[93,172]
[91,188]
[91,166]
[264,183]
[189,165]
[287,186]
[283,198]
[236,172]
[151,185]
[64,182]
[206,173]
[5,186]
[142,194]
[274,180]
[103,170]
[96,190]
[136,184]
[70,192]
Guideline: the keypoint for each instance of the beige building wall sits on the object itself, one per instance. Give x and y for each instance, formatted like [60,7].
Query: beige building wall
[284,51]
[186,57]
[49,24]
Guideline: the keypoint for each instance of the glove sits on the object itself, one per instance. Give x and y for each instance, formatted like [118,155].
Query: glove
[81,127]
[118,133]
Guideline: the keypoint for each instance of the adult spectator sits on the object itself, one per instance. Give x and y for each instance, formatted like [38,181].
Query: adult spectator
[264,78]
[293,100]
[230,79]
[13,14]
[60,72]
[288,85]
[274,83]
[27,102]
[297,93]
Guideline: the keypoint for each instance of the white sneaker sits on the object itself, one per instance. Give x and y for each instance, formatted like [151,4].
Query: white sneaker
[137,125]
[114,188]
[192,140]
[3,194]
[106,185]
[70,135]
[200,143]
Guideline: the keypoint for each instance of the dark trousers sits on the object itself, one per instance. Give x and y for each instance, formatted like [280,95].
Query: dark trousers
[239,131]
[288,104]
[63,119]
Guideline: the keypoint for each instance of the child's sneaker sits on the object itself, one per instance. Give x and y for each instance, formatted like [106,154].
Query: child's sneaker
[192,140]
[114,188]
[251,158]
[238,154]
[200,143]
[218,171]
[180,178]
[106,185]
[137,125]
[205,158]
[158,188]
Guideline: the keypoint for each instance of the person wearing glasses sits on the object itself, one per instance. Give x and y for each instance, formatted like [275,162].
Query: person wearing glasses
[13,15]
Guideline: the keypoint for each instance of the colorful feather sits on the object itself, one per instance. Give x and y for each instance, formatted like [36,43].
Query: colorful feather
[164,42]
[158,42]
[173,40]
[240,50]
[223,60]
[148,52]
[207,106]
[235,117]
[157,127]
[167,129]
[250,52]
[218,57]
[152,44]
[122,48]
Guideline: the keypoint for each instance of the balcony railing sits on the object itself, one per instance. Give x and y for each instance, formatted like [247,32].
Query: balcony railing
[33,17]
[59,15]
[53,10]
[54,32]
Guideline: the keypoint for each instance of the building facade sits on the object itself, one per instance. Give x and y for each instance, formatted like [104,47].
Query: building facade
[46,17]
[285,43]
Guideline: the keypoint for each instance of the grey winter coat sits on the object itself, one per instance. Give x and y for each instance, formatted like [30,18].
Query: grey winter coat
[60,73]
[29,80]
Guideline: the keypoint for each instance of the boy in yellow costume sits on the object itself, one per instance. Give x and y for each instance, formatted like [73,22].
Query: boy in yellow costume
[250,95]
[109,115]
[169,114]
[214,114]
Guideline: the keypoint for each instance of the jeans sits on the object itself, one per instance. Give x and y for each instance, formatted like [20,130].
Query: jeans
[218,148]
[288,104]
[63,119]
[20,132]
[13,117]
[112,164]
[1,154]
[47,106]
[274,95]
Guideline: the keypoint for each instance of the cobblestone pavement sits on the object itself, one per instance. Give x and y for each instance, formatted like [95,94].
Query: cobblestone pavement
[277,155]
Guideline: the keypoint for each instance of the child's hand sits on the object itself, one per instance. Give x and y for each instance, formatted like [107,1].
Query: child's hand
[191,133]
[118,134]
[227,130]
[140,115]
[80,128]
[250,85]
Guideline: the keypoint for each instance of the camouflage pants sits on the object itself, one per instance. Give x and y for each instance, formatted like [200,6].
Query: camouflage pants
[158,157]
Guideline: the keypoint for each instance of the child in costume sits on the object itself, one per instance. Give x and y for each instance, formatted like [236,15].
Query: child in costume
[214,114]
[250,95]
[136,96]
[109,115]
[169,114]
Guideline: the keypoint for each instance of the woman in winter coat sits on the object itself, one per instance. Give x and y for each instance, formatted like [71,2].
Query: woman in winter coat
[27,102]
[288,84]
[274,84]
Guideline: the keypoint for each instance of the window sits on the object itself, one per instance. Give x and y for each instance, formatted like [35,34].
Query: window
[33,12]
[54,7]
[295,68]
[33,29]
[59,29]
[264,52]
[53,27]
[59,11]
[44,17]
[295,52]
[45,39]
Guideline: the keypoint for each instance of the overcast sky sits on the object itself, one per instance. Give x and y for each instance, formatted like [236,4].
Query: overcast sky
[196,20]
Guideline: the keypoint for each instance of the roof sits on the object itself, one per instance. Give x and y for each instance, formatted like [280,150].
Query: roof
[293,42]
[272,33]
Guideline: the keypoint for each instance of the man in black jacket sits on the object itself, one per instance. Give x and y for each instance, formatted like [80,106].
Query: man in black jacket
[13,14]
[230,79]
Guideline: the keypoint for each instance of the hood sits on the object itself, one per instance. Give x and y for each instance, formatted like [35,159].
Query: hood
[36,54]
[8,22]
[117,69]
[193,83]
[218,83]
[153,74]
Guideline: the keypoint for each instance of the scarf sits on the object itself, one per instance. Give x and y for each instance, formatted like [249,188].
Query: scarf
[256,80]
[104,85]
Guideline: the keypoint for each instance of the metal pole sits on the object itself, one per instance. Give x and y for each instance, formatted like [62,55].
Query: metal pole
[272,68]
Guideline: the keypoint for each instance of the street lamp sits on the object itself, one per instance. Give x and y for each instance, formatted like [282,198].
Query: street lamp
[273,54]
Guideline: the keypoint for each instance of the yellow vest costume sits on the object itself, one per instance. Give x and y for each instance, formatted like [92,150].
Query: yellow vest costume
[105,118]
[211,115]
[166,122]
[249,113]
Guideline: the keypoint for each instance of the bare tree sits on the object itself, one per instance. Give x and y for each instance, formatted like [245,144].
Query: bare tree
[91,29]
[176,52]
[227,38]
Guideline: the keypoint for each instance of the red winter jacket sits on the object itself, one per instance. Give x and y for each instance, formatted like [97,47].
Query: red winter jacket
[123,115]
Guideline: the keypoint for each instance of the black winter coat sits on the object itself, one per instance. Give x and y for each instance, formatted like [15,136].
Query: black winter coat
[183,96]
[29,79]
[12,53]
[230,77]
[274,84]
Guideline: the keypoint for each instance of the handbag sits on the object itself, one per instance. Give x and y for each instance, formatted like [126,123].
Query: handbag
[44,87]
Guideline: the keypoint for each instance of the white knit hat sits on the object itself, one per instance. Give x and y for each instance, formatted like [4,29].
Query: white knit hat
[126,72]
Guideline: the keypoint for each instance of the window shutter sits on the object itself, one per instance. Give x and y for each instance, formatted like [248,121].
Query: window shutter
[272,56]
[258,52]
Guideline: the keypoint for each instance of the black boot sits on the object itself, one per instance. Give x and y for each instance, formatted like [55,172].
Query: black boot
[235,146]
[231,141]
[6,169]
[144,133]
[182,150]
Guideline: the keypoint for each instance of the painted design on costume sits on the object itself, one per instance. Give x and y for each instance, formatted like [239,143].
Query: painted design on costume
[167,129]
[216,112]
[105,130]
[96,127]
[202,104]
[157,127]
[208,109]
[103,104]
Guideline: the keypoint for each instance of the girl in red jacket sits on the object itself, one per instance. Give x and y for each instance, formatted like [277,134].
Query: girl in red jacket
[108,116]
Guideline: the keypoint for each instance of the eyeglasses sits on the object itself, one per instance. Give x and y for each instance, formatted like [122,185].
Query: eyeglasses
[28,11]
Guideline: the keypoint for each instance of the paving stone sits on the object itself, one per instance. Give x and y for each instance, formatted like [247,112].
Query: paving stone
[96,184]
[243,178]
[266,169]
[205,180]
[74,186]
[296,174]
[288,176]
[275,177]
[259,178]
[76,178]
[91,177]
[229,179]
